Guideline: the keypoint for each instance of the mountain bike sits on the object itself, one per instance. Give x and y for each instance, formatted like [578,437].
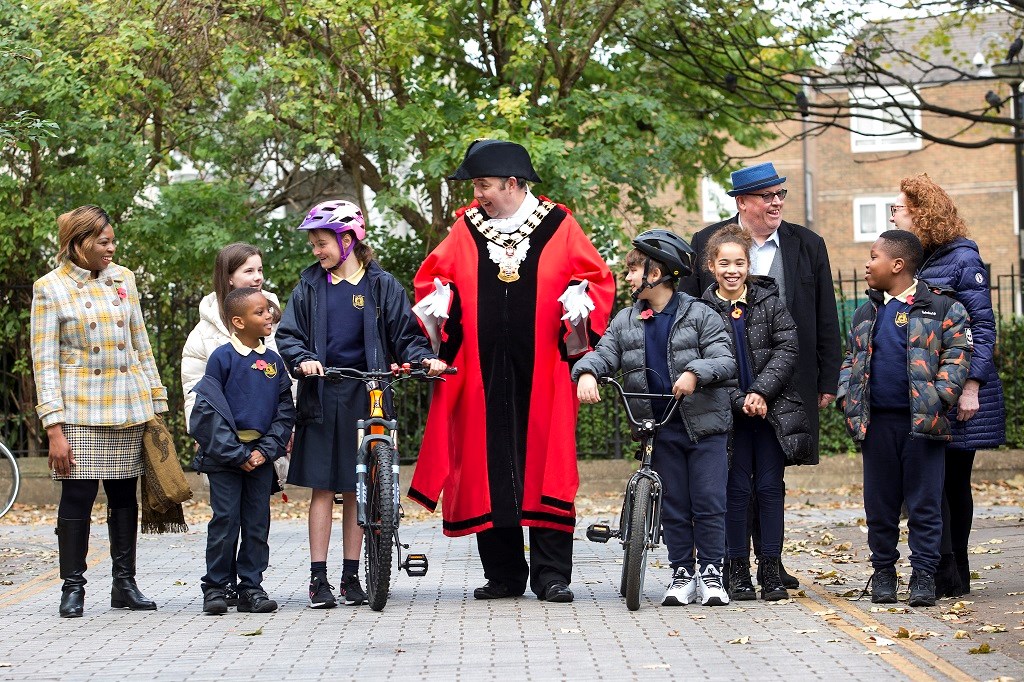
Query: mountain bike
[378,508]
[10,479]
[640,520]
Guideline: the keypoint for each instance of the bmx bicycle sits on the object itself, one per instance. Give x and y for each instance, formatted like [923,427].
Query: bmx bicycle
[640,520]
[378,496]
[10,479]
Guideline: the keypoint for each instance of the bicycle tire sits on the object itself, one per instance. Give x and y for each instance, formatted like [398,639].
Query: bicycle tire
[379,533]
[625,549]
[10,480]
[639,533]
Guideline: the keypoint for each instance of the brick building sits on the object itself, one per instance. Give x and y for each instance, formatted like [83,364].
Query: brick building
[841,183]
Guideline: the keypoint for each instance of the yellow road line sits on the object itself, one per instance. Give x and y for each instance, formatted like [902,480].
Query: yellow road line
[45,581]
[894,658]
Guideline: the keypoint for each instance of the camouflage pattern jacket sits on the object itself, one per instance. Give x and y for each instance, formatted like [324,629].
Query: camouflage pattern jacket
[939,349]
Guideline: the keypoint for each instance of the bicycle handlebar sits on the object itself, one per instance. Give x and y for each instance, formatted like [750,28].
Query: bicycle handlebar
[403,372]
[647,396]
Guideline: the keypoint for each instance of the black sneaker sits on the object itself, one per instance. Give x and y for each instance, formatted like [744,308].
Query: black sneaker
[255,601]
[883,585]
[231,595]
[320,595]
[922,589]
[214,603]
[352,591]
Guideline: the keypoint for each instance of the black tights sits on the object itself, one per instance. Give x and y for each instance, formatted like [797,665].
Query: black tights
[77,496]
[958,502]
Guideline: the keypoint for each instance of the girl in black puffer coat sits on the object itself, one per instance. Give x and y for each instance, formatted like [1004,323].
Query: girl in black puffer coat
[771,429]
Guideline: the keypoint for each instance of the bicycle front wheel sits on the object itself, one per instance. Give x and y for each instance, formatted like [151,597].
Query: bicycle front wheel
[10,479]
[379,532]
[636,549]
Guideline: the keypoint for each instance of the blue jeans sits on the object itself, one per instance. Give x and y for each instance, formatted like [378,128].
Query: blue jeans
[241,504]
[898,467]
[756,457]
[693,477]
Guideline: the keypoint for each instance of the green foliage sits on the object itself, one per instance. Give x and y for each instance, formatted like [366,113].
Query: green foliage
[1009,358]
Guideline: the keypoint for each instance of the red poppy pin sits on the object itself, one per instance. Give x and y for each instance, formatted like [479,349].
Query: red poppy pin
[736,313]
[910,300]
[260,365]
[646,314]
[122,294]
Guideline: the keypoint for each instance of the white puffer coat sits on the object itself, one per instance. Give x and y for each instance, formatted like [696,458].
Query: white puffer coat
[207,336]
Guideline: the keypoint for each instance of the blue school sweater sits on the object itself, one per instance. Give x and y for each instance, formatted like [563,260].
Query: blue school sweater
[250,383]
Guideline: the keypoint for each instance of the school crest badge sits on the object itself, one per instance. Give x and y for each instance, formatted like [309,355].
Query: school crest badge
[358,300]
[902,318]
[270,370]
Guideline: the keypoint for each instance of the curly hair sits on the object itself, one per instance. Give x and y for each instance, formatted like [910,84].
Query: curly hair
[728,234]
[936,219]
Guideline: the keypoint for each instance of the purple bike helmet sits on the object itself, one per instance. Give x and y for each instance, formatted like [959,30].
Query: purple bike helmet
[340,217]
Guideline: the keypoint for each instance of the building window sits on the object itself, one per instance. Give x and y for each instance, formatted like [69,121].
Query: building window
[871,217]
[715,203]
[876,127]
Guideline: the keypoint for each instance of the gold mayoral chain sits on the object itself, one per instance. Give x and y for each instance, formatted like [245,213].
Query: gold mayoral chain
[508,251]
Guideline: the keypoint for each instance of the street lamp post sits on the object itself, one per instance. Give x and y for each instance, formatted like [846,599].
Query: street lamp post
[1013,74]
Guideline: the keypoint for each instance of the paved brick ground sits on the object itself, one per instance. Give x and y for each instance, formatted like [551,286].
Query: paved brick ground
[433,629]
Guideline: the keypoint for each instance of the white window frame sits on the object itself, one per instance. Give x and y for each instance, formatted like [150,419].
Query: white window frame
[715,203]
[881,205]
[869,134]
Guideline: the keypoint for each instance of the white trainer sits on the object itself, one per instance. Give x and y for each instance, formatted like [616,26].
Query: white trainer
[711,589]
[682,590]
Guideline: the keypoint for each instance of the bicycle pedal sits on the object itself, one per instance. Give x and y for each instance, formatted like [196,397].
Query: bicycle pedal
[416,565]
[599,532]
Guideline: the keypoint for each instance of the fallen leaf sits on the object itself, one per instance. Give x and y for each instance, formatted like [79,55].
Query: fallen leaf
[740,640]
[399,651]
[983,648]
[673,633]
[961,634]
[801,593]
[875,652]
[180,582]
[903,633]
[254,633]
[991,567]
[804,632]
[6,664]
[870,628]
[698,617]
[833,640]
[889,609]
[995,541]
[878,640]
[657,666]
[570,631]
[992,628]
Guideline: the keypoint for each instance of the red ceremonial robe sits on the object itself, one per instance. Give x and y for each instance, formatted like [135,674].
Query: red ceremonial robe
[500,439]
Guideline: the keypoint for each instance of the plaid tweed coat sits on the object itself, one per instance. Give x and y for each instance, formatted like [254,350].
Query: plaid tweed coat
[91,355]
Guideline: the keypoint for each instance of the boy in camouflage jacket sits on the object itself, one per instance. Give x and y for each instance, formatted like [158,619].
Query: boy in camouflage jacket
[909,355]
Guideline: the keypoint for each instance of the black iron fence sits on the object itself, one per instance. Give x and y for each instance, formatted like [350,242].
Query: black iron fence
[602,432]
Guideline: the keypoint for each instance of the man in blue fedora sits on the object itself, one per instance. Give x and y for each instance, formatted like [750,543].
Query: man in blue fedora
[796,258]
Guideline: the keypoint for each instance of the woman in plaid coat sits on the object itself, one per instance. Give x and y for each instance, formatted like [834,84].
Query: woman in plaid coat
[97,385]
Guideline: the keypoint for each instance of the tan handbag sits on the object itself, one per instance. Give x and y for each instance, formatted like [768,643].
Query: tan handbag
[164,487]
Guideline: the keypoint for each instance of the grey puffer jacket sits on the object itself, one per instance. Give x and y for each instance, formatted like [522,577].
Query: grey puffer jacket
[697,342]
[772,355]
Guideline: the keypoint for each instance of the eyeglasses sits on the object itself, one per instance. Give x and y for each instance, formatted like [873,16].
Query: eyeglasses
[895,207]
[768,196]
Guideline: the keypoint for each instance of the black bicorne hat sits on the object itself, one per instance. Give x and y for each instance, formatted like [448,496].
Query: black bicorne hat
[495,159]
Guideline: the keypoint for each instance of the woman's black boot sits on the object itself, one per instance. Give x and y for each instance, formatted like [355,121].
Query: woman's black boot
[72,548]
[123,527]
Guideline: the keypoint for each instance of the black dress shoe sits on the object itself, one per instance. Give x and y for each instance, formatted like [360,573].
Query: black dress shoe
[494,590]
[557,592]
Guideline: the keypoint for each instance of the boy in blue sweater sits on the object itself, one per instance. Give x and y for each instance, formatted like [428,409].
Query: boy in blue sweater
[682,344]
[910,352]
[242,420]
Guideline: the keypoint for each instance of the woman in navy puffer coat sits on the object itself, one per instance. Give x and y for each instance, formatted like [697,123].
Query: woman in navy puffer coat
[979,420]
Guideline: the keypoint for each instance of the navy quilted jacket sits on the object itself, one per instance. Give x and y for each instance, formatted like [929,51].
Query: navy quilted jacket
[958,266]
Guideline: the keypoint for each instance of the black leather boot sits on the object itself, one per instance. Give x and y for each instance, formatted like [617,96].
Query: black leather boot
[963,569]
[788,581]
[123,527]
[72,547]
[740,587]
[772,588]
[947,578]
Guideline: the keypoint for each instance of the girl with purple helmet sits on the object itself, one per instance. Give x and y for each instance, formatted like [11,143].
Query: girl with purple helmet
[345,312]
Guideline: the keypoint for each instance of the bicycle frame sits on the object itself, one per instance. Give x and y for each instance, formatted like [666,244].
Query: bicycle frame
[377,428]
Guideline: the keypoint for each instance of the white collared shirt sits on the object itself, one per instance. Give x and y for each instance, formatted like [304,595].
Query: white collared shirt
[515,221]
[243,349]
[902,298]
[761,257]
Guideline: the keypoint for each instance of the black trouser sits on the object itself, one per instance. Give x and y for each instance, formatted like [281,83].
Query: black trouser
[241,504]
[78,495]
[898,468]
[958,504]
[757,458]
[504,559]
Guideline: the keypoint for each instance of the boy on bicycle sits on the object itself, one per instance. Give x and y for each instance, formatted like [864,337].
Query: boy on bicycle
[242,420]
[684,347]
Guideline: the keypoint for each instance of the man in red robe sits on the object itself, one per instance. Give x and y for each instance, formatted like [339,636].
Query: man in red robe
[513,294]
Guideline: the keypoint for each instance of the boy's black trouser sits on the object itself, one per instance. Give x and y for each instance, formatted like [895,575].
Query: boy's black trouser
[241,507]
[900,467]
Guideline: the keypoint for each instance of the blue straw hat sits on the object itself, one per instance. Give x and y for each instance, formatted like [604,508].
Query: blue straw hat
[753,178]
